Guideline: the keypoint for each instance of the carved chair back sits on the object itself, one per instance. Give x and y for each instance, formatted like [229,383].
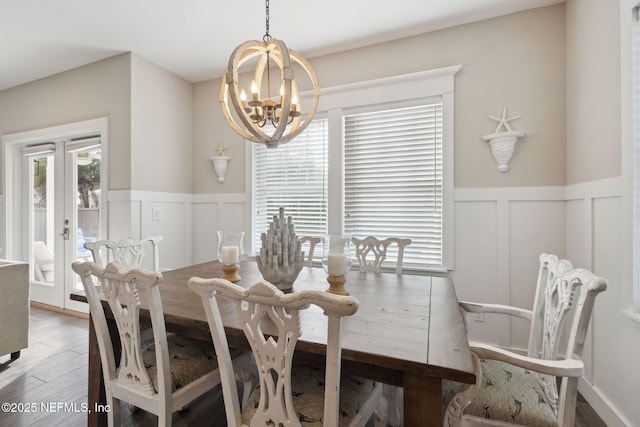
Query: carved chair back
[561,312]
[147,376]
[128,252]
[271,322]
[313,241]
[378,250]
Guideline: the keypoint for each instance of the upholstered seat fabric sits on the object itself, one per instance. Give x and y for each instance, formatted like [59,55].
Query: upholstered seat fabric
[307,386]
[189,359]
[511,394]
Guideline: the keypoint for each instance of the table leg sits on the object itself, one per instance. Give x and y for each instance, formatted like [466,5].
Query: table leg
[96,394]
[422,401]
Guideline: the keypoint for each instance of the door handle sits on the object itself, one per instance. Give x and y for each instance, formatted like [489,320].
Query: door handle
[65,230]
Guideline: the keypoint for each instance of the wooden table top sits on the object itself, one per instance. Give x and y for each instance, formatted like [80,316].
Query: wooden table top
[408,331]
[404,323]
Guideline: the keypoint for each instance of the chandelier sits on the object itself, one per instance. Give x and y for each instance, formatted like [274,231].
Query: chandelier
[266,116]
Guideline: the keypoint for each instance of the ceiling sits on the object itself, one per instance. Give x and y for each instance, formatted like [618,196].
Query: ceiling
[194,38]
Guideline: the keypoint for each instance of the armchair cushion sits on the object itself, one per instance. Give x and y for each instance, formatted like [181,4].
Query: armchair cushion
[511,394]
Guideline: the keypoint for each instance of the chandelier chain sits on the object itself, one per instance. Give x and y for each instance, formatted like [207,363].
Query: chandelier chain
[267,36]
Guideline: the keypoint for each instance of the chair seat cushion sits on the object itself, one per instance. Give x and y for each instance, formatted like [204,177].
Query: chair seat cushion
[307,387]
[189,359]
[511,394]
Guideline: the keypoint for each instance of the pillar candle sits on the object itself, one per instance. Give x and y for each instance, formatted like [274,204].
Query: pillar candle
[337,264]
[229,255]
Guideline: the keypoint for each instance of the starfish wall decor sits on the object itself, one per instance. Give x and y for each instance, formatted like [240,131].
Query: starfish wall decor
[503,142]
[220,161]
[221,149]
[503,121]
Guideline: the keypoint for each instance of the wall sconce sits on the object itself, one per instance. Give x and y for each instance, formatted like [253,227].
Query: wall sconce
[220,162]
[503,143]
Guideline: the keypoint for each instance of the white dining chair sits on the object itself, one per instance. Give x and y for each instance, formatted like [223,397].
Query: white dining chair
[288,393]
[371,252]
[162,376]
[313,241]
[377,248]
[516,389]
[128,252]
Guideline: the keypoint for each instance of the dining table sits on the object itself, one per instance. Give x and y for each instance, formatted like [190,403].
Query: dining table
[408,332]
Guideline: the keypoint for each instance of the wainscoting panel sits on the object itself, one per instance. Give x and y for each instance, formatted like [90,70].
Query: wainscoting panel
[535,227]
[500,234]
[142,213]
[205,225]
[215,212]
[171,220]
[476,256]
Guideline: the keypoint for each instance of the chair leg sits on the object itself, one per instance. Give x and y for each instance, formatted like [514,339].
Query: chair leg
[113,415]
[381,414]
[164,415]
[394,397]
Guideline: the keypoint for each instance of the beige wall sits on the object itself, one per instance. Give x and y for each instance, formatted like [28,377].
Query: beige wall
[149,111]
[209,128]
[593,90]
[516,61]
[161,129]
[101,89]
[598,128]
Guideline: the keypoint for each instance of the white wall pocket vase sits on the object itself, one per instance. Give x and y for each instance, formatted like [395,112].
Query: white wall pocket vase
[503,145]
[220,164]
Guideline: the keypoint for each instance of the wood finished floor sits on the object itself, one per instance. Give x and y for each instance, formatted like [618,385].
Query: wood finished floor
[53,371]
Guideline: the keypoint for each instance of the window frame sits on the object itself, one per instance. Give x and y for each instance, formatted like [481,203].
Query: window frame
[336,101]
[635,154]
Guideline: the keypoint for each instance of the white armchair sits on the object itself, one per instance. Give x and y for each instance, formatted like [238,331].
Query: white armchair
[523,389]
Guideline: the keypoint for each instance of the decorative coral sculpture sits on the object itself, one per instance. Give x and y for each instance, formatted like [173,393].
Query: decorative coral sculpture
[281,257]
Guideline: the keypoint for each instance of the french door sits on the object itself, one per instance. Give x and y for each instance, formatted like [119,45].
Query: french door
[58,207]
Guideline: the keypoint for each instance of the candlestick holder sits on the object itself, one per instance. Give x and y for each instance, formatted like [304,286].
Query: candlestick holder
[230,251]
[336,261]
[230,273]
[336,285]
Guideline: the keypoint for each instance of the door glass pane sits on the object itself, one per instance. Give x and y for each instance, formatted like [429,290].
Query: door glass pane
[88,202]
[43,202]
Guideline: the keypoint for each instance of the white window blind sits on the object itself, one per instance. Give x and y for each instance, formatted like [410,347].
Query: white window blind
[294,175]
[393,179]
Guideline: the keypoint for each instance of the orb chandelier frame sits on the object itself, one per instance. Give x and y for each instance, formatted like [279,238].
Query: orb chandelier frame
[274,119]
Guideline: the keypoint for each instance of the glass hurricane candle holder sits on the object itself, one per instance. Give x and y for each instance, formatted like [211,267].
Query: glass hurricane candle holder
[230,252]
[336,261]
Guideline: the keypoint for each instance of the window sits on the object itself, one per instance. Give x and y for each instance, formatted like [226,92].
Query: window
[393,179]
[293,175]
[377,160]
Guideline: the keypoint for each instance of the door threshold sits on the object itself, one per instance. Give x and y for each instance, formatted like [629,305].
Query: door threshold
[59,310]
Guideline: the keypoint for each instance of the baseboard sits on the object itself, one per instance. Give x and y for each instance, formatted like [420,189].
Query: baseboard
[605,409]
[59,310]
